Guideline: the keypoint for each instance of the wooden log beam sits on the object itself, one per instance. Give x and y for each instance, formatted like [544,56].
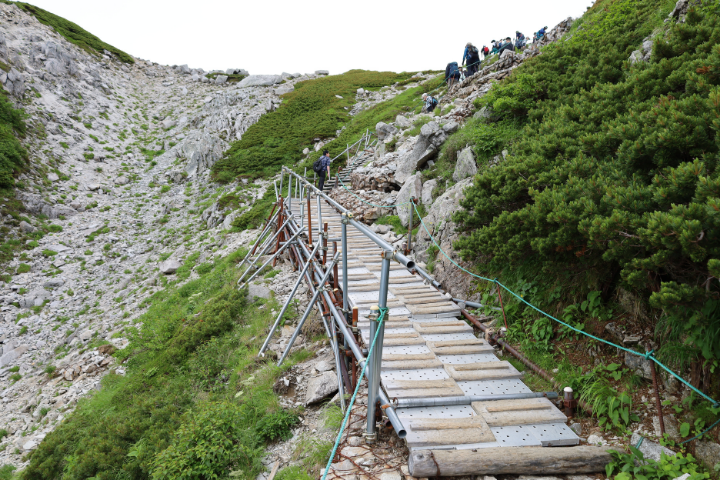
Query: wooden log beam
[509,461]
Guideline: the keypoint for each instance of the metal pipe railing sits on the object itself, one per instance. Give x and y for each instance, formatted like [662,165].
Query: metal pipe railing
[446,401]
[341,323]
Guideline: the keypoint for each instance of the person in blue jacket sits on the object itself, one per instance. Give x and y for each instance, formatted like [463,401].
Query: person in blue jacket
[452,74]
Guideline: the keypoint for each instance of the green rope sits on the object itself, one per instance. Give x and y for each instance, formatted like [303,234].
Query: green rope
[646,355]
[383,311]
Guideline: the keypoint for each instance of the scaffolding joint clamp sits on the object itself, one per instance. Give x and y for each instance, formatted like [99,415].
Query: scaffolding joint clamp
[387,254]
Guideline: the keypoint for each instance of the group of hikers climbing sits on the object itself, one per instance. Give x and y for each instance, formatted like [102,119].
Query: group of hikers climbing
[453,74]
[471,56]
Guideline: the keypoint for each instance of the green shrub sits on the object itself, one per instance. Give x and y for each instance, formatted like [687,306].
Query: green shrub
[13,157]
[204,268]
[23,268]
[293,473]
[6,472]
[211,441]
[276,426]
[613,175]
[165,189]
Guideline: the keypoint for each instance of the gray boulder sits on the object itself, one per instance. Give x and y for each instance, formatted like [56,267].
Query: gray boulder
[485,112]
[650,449]
[450,127]
[465,166]
[12,355]
[321,387]
[430,138]
[258,291]
[168,123]
[53,177]
[26,227]
[708,453]
[322,72]
[220,79]
[402,122]
[412,188]
[384,130]
[283,89]
[168,267]
[427,191]
[184,69]
[638,365]
[260,81]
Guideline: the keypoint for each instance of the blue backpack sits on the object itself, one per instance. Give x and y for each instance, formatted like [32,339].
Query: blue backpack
[453,69]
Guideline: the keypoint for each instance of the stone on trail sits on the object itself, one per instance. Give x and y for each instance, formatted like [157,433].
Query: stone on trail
[322,72]
[412,188]
[321,387]
[258,291]
[649,448]
[427,191]
[168,267]
[465,166]
[260,81]
[402,122]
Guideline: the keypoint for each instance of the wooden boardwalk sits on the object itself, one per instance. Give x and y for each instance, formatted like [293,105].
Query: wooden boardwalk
[429,353]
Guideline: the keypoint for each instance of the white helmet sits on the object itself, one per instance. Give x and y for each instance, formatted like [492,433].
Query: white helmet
[424,96]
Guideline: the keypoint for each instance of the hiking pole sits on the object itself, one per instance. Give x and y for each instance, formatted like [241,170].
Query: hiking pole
[287,302]
[280,250]
[269,244]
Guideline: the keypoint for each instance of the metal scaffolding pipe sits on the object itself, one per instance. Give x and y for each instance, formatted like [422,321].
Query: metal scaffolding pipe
[451,401]
[280,250]
[268,245]
[307,312]
[354,347]
[286,305]
[250,250]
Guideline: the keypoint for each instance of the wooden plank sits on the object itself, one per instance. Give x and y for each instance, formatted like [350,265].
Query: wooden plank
[420,309]
[370,287]
[456,343]
[465,375]
[420,297]
[412,356]
[402,335]
[462,350]
[506,412]
[424,424]
[425,287]
[411,364]
[484,366]
[399,342]
[509,461]
[448,323]
[400,280]
[408,384]
[427,393]
[436,330]
[448,437]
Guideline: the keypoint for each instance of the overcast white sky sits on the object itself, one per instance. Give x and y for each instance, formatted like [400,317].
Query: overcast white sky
[272,36]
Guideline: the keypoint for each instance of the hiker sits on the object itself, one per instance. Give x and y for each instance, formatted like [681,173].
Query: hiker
[322,168]
[507,45]
[540,34]
[496,47]
[452,74]
[485,51]
[430,102]
[471,56]
[520,40]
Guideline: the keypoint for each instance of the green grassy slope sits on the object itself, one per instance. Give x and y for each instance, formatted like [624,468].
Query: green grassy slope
[72,32]
[612,182]
[311,111]
[195,402]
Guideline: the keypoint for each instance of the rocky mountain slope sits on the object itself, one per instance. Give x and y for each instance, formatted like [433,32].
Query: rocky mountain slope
[120,164]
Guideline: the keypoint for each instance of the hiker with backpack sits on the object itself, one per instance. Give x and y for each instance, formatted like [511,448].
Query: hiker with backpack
[520,40]
[496,47]
[430,102]
[471,56]
[322,168]
[485,51]
[507,45]
[540,34]
[452,74]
